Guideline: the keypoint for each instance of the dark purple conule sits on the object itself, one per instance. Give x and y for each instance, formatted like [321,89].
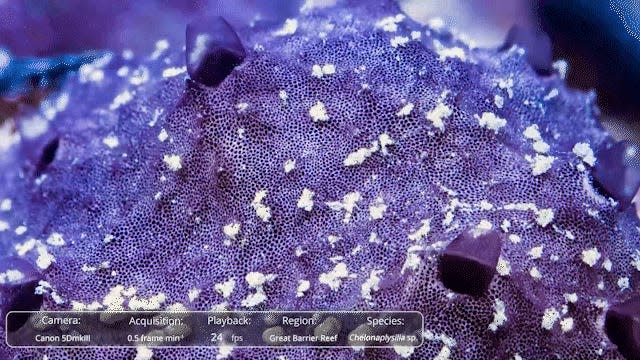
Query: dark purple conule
[468,263]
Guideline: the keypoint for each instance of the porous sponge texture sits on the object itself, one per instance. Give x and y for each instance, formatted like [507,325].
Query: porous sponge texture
[405,137]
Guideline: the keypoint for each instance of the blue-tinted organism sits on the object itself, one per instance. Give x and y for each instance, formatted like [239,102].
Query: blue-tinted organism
[331,168]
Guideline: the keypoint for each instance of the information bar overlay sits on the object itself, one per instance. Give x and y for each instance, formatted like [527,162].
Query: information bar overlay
[219,328]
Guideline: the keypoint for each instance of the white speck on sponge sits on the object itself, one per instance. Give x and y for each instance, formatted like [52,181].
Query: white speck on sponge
[377,209]
[318,112]
[262,211]
[399,41]
[536,252]
[405,110]
[584,151]
[5,205]
[55,239]
[111,141]
[289,165]
[163,135]
[503,268]
[549,318]
[372,284]
[390,24]
[499,101]
[288,28]
[422,231]
[226,288]
[333,278]
[306,200]
[437,114]
[359,156]
[566,324]
[303,286]
[231,230]
[173,162]
[623,283]
[591,256]
[541,164]
[545,217]
[499,315]
[143,353]
[490,121]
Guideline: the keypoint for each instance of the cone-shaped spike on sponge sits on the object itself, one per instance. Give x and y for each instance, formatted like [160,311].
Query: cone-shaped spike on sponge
[213,50]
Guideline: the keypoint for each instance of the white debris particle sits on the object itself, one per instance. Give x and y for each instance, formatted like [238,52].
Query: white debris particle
[347,204]
[490,121]
[584,151]
[318,112]
[121,99]
[506,224]
[403,350]
[405,110]
[553,93]
[289,165]
[532,133]
[143,353]
[11,276]
[422,231]
[111,141]
[20,230]
[535,273]
[262,210]
[316,71]
[485,205]
[163,135]
[161,46]
[439,113]
[541,164]
[55,239]
[226,288]
[591,256]
[328,69]
[45,259]
[332,239]
[541,147]
[566,324]
[173,71]
[412,262]
[303,286]
[503,267]
[306,200]
[444,354]
[371,284]
[514,238]
[499,101]
[173,162]
[5,205]
[499,315]
[108,238]
[377,209]
[506,84]
[385,140]
[255,279]
[333,278]
[283,95]
[193,294]
[607,264]
[399,41]
[561,66]
[635,260]
[549,318]
[359,156]
[231,230]
[415,35]
[536,252]
[242,107]
[390,24]
[572,298]
[623,283]
[452,52]
[288,28]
